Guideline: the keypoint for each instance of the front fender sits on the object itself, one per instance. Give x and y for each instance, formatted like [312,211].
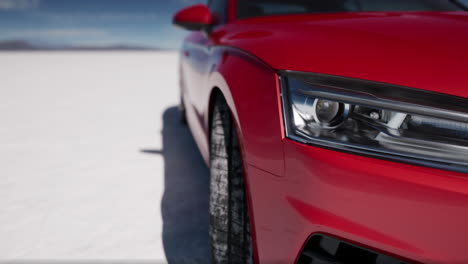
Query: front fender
[251,89]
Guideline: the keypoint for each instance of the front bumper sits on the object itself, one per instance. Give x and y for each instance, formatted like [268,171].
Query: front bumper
[410,212]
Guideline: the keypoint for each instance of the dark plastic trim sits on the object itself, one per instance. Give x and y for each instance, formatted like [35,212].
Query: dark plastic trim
[192,26]
[325,249]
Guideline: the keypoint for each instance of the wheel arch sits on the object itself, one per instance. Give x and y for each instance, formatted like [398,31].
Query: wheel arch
[251,90]
[214,94]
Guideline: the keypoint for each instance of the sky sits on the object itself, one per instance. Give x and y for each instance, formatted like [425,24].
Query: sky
[93,22]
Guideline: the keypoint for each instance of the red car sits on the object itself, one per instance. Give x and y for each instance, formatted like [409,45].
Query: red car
[336,130]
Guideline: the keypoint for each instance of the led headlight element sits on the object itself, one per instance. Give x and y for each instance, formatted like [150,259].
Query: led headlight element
[375,119]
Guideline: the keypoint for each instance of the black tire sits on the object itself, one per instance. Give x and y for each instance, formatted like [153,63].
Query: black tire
[182,112]
[229,218]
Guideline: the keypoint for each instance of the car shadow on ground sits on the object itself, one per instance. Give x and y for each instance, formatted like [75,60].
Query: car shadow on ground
[185,201]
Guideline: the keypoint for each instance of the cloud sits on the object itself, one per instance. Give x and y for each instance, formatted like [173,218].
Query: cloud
[101,17]
[64,36]
[72,32]
[19,4]
[53,33]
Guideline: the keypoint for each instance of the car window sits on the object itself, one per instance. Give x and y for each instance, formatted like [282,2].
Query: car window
[279,8]
[252,8]
[407,5]
[219,10]
[464,3]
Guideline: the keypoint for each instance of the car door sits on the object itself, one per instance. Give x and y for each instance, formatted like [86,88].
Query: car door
[196,67]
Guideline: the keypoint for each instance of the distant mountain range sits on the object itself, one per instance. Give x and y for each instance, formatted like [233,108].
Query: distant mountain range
[21,45]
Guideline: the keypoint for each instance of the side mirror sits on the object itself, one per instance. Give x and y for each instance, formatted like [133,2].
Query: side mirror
[196,17]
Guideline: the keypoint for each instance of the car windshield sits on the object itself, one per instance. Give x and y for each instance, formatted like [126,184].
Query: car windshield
[253,8]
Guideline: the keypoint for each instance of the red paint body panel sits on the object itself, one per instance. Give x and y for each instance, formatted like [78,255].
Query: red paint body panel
[408,211]
[199,14]
[411,212]
[255,81]
[423,50]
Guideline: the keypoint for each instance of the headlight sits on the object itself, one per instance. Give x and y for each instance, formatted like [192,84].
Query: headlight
[376,119]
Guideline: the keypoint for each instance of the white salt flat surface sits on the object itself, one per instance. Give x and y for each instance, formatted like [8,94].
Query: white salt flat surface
[94,166]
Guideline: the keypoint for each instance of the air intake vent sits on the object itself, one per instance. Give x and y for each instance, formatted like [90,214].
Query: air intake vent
[322,249]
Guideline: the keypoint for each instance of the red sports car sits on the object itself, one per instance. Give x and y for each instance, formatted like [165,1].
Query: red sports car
[336,130]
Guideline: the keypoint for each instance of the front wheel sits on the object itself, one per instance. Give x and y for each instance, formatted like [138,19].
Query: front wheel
[229,218]
[182,111]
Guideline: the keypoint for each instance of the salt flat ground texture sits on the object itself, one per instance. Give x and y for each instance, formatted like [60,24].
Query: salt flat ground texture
[94,166]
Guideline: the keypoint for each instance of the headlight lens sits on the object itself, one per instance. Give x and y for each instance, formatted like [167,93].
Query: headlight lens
[376,119]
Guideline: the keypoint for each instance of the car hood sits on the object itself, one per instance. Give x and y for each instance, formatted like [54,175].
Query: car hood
[425,50]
